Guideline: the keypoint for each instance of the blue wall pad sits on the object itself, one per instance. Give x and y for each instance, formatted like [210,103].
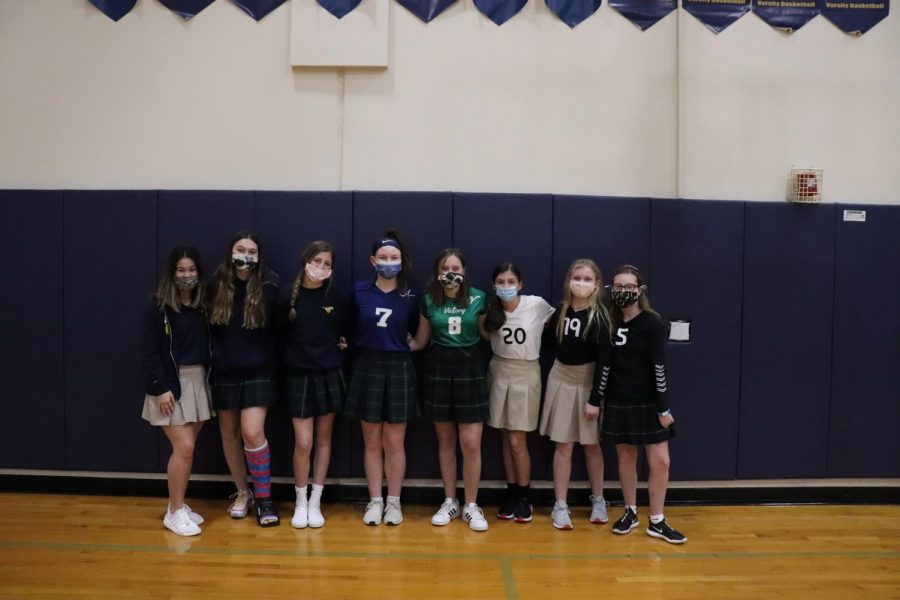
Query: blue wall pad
[863,440]
[286,222]
[110,272]
[32,433]
[786,348]
[427,225]
[696,274]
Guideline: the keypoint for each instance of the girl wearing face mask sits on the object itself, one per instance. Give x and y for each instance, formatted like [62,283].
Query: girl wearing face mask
[575,386]
[455,390]
[637,406]
[319,317]
[514,325]
[176,353]
[382,391]
[243,295]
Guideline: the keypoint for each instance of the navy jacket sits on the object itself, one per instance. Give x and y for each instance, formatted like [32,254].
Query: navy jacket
[159,354]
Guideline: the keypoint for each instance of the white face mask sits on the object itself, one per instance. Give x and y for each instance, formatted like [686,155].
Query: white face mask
[242,262]
[317,273]
[581,289]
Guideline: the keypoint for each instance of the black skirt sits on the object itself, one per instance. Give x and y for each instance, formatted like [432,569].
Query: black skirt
[630,421]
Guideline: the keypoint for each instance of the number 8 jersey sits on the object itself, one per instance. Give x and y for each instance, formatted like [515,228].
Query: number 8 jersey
[451,325]
[520,337]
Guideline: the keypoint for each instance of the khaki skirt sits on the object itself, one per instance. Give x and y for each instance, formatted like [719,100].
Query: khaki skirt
[568,390]
[515,393]
[195,405]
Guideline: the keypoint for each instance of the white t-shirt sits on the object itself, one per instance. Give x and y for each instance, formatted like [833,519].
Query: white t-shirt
[520,336]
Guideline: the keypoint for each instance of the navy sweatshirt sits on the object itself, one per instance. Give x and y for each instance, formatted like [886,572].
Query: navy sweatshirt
[245,353]
[324,314]
[171,339]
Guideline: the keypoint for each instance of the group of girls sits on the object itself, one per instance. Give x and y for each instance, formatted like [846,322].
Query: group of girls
[607,381]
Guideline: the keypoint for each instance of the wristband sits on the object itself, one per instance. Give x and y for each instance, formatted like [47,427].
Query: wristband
[664,413]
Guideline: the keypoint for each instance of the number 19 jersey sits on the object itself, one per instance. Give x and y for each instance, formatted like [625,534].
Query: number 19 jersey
[520,336]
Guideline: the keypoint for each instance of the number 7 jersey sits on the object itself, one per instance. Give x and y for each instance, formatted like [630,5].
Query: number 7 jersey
[520,337]
[383,319]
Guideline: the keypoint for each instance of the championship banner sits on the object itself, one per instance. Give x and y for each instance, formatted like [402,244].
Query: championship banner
[500,11]
[787,15]
[644,13]
[258,8]
[426,9]
[114,9]
[855,17]
[572,12]
[716,14]
[339,8]
[186,8]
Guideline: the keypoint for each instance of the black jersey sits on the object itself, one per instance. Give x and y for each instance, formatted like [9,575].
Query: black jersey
[638,361]
[580,347]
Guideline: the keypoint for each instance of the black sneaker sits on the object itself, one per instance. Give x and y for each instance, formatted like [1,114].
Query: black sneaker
[507,510]
[523,513]
[266,513]
[664,531]
[626,522]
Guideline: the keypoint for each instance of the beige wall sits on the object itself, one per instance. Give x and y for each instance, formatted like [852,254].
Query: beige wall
[532,106]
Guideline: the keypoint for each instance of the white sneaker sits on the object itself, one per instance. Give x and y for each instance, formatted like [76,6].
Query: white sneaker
[196,519]
[316,519]
[179,522]
[374,512]
[598,510]
[560,516]
[448,511]
[300,519]
[393,515]
[474,516]
[243,502]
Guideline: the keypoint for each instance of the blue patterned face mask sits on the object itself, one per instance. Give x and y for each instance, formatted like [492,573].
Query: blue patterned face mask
[388,269]
[506,293]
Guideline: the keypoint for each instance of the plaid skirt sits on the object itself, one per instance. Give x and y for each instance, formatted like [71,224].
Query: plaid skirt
[455,388]
[515,396]
[315,393]
[232,393]
[382,388]
[568,390]
[630,421]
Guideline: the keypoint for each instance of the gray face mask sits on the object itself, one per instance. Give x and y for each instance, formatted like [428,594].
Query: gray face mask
[186,283]
[624,299]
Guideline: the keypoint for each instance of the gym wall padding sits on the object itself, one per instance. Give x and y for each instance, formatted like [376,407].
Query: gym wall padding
[109,273]
[865,379]
[32,430]
[696,264]
[786,340]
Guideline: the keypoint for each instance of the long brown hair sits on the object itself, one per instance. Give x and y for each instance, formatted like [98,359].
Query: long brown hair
[495,316]
[223,283]
[598,316]
[167,293]
[312,249]
[436,290]
[643,300]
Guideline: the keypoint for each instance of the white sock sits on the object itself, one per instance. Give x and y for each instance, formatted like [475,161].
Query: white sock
[316,492]
[301,494]
[394,499]
[562,504]
[656,519]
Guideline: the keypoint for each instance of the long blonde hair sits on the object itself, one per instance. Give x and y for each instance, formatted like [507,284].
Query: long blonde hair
[223,284]
[598,316]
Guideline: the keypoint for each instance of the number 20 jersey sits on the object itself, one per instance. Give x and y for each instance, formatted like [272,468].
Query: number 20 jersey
[520,337]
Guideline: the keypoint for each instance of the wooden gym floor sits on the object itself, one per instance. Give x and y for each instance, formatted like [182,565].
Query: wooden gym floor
[54,546]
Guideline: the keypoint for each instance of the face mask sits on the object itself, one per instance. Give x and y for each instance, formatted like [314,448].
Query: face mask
[388,269]
[186,283]
[317,273]
[581,289]
[242,262]
[506,293]
[624,299]
[450,279]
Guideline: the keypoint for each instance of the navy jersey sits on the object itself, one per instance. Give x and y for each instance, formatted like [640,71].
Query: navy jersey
[638,360]
[323,316]
[383,320]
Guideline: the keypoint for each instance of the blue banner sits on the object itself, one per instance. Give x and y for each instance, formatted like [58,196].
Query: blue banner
[787,15]
[186,8]
[339,8]
[500,11]
[114,9]
[644,13]
[717,14]
[572,12]
[426,9]
[856,17]
[258,8]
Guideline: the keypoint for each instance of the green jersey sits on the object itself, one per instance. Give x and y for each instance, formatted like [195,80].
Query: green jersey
[452,326]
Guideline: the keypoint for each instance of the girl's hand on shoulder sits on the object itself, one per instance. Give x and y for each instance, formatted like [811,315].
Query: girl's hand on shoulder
[666,420]
[591,412]
[166,403]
